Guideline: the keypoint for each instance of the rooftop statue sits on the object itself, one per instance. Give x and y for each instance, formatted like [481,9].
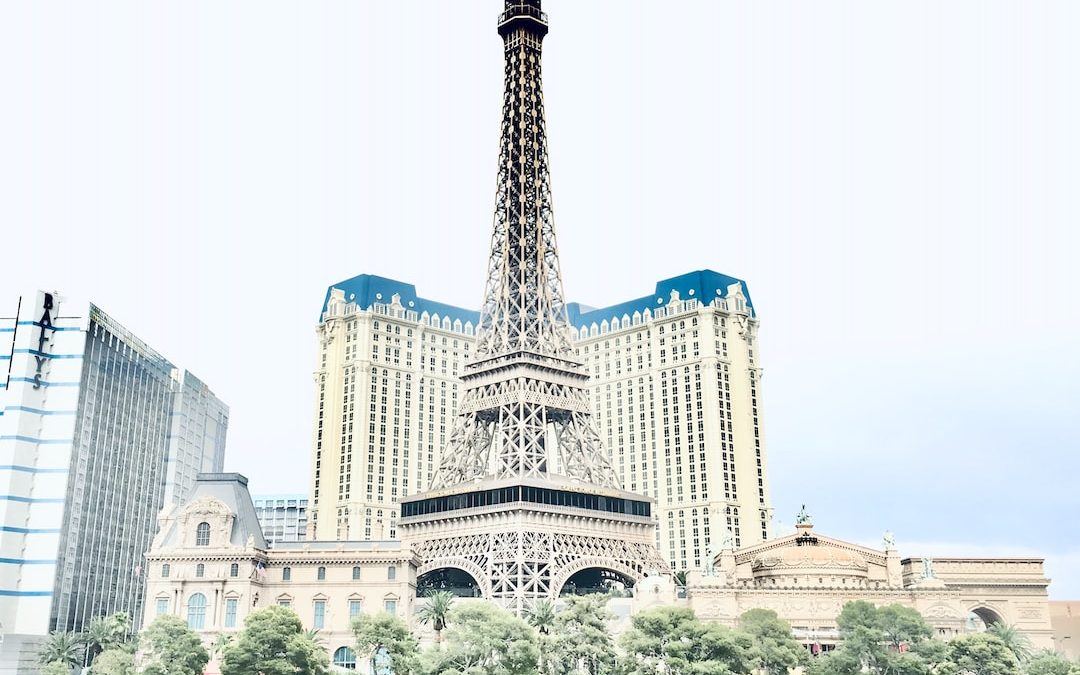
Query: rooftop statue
[889,540]
[928,569]
[727,543]
[802,518]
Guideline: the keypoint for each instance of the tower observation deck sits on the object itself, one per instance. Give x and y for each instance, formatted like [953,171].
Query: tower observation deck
[525,497]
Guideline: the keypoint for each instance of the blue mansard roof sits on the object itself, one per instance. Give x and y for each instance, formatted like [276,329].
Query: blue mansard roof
[367,289]
[702,285]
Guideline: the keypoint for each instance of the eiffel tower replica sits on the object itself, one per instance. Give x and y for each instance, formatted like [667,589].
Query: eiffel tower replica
[525,500]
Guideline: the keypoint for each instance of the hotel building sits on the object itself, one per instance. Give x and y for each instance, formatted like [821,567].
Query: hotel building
[97,433]
[675,382]
[283,518]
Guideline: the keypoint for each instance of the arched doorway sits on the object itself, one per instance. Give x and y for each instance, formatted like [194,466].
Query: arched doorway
[598,580]
[453,580]
[981,618]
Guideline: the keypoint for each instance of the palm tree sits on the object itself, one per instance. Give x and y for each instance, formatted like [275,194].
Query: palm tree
[61,647]
[436,611]
[1018,643]
[102,633]
[312,634]
[220,644]
[541,615]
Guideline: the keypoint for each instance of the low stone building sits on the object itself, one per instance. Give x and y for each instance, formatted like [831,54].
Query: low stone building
[807,578]
[211,566]
[1065,617]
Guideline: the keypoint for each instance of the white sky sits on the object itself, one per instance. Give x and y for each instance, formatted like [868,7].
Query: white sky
[897,182]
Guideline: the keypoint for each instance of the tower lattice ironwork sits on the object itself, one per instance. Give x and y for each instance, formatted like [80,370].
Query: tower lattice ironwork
[525,411]
[525,494]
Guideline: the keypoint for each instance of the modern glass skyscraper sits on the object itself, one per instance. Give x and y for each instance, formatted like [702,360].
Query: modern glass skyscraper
[675,382]
[283,518]
[97,433]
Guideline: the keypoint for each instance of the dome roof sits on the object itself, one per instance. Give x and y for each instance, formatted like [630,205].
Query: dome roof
[808,556]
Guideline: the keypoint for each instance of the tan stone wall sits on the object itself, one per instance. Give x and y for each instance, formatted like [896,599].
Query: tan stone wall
[1065,620]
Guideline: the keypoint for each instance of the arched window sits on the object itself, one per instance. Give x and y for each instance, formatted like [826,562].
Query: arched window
[356,573]
[202,534]
[196,611]
[200,570]
[322,574]
[165,570]
[234,570]
[286,573]
[345,658]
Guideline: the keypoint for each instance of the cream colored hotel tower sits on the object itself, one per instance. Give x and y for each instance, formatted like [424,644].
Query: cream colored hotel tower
[675,386]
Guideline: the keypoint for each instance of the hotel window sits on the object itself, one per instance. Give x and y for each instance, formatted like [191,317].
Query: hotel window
[200,570]
[390,606]
[345,658]
[234,570]
[286,574]
[162,606]
[165,570]
[202,534]
[320,614]
[196,611]
[230,612]
[284,602]
[322,574]
[356,573]
[391,573]
[354,609]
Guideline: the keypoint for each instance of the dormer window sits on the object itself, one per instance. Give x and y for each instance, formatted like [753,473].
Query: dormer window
[202,534]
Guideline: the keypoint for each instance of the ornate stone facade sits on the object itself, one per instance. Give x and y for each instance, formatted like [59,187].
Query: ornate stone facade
[211,566]
[807,577]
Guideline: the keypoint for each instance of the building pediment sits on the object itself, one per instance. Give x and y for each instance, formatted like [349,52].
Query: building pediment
[808,539]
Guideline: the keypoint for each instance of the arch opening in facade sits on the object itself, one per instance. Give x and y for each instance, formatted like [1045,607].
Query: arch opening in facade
[451,579]
[981,618]
[598,580]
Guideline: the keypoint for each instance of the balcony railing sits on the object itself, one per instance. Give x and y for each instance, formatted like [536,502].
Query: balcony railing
[523,10]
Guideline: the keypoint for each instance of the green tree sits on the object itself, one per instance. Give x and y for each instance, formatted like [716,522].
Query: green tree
[979,654]
[436,611]
[171,648]
[836,662]
[61,647]
[720,650]
[1018,643]
[674,637]
[541,616]
[872,638]
[273,642]
[55,668]
[485,640]
[580,639]
[220,644]
[1048,662]
[105,632]
[386,630]
[902,625]
[775,651]
[114,661]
